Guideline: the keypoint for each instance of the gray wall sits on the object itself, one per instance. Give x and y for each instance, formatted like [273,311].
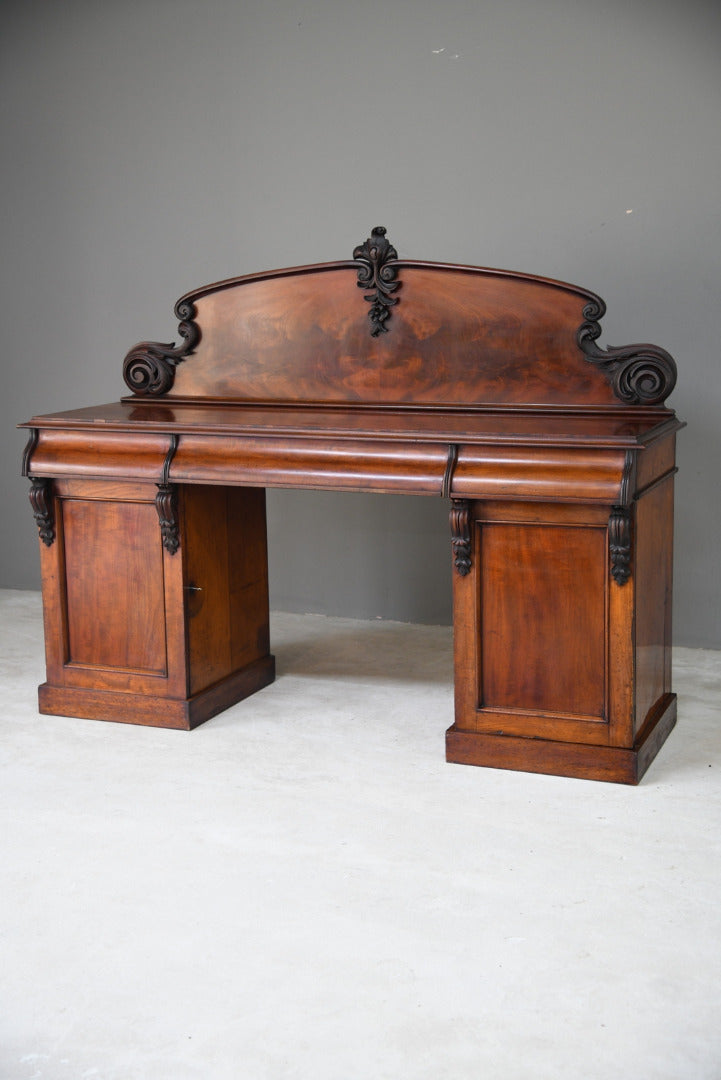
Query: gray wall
[153,147]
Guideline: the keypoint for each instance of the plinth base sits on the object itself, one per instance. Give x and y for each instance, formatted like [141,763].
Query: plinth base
[157,711]
[612,763]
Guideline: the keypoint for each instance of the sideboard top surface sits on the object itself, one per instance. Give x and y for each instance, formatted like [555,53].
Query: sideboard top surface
[627,428]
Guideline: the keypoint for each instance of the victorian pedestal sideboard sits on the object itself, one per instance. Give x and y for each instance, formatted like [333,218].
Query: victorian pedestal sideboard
[482,387]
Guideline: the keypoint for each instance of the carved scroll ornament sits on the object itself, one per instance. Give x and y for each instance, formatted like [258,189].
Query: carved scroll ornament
[377,273]
[639,374]
[149,368]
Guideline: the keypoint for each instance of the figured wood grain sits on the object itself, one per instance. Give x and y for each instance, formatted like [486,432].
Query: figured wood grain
[543,619]
[114,586]
[111,454]
[563,473]
[459,335]
[336,464]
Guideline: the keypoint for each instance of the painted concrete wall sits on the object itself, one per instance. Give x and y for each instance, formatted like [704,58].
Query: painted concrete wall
[150,147]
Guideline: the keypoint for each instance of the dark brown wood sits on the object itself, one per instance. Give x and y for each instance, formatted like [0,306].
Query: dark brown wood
[166,503]
[378,273]
[301,337]
[473,425]
[541,622]
[29,450]
[619,543]
[654,572]
[226,581]
[297,335]
[639,374]
[620,526]
[149,368]
[551,646]
[128,619]
[615,764]
[129,708]
[480,386]
[114,587]
[461,536]
[41,503]
[450,469]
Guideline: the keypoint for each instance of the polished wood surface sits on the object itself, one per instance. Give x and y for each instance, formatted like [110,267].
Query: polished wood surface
[620,765]
[539,584]
[477,424]
[116,620]
[653,586]
[482,387]
[458,336]
[529,453]
[138,634]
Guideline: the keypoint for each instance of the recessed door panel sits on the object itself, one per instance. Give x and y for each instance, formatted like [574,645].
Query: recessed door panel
[114,586]
[542,614]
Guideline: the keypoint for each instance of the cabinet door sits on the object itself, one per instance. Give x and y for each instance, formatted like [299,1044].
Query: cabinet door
[535,639]
[110,592]
[151,632]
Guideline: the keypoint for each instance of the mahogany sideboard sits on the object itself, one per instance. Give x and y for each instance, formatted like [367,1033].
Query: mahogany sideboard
[482,387]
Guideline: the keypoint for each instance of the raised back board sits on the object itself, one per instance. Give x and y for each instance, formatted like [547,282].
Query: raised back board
[430,334]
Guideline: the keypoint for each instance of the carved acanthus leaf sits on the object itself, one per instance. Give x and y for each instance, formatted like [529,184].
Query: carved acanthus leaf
[166,503]
[620,525]
[377,273]
[461,535]
[619,544]
[41,501]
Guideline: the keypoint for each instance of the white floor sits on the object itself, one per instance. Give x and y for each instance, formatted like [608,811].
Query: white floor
[302,888]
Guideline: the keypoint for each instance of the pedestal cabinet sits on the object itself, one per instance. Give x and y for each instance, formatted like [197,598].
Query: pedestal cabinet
[143,631]
[561,666]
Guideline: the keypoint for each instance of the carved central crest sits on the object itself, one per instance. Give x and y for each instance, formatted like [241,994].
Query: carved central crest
[377,272]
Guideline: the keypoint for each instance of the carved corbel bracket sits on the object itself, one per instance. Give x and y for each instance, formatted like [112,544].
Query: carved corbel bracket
[620,527]
[377,273]
[461,535]
[41,501]
[639,374]
[149,368]
[166,503]
[619,544]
